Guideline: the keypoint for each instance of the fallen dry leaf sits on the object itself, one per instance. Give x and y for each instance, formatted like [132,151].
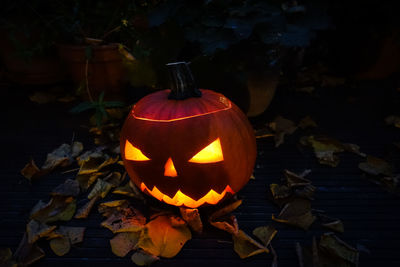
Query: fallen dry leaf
[274,256]
[280,191]
[86,180]
[68,188]
[331,223]
[97,152]
[225,210]
[130,190]
[282,126]
[295,186]
[307,122]
[160,238]
[115,178]
[31,171]
[265,234]
[101,188]
[245,246]
[354,149]
[177,221]
[391,184]
[123,243]
[192,217]
[127,220]
[393,120]
[59,208]
[330,251]
[36,230]
[222,219]
[326,148]
[306,192]
[142,258]
[376,166]
[112,207]
[263,133]
[62,156]
[83,212]
[339,248]
[6,258]
[68,236]
[294,180]
[74,234]
[27,253]
[296,213]
[226,223]
[60,246]
[95,164]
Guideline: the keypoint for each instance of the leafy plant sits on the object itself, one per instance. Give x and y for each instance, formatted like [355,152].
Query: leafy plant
[100,108]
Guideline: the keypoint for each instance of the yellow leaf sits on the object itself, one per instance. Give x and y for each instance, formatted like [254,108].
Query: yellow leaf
[60,246]
[101,189]
[95,164]
[83,212]
[59,208]
[160,238]
[265,234]
[129,189]
[142,258]
[128,220]
[123,243]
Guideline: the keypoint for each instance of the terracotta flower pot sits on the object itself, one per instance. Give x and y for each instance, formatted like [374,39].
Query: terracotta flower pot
[104,70]
[37,69]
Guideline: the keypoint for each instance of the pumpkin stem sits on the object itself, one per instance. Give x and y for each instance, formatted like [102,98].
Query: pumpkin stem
[182,82]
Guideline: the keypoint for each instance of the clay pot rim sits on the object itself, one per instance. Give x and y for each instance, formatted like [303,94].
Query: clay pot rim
[109,46]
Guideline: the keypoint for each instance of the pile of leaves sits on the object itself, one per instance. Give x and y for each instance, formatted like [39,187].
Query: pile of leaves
[329,251]
[149,230]
[146,230]
[294,197]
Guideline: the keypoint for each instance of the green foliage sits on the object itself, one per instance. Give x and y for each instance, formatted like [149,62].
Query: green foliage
[220,24]
[100,108]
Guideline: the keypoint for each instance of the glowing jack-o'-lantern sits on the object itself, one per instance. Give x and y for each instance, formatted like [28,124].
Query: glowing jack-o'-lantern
[187,147]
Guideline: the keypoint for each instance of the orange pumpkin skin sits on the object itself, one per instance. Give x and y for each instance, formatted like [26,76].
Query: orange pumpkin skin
[176,130]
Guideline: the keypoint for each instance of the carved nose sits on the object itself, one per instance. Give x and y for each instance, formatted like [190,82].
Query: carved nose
[169,168]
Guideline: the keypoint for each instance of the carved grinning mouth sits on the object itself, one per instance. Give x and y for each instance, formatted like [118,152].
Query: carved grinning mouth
[180,199]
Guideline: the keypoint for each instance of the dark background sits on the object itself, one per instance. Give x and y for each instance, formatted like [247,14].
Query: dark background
[347,51]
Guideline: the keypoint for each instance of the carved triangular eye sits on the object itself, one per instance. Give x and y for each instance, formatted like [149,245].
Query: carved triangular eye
[210,154]
[133,153]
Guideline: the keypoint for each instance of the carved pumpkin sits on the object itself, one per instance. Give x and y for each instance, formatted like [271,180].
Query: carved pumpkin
[187,147]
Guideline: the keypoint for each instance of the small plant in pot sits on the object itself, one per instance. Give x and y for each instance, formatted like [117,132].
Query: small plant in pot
[91,42]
